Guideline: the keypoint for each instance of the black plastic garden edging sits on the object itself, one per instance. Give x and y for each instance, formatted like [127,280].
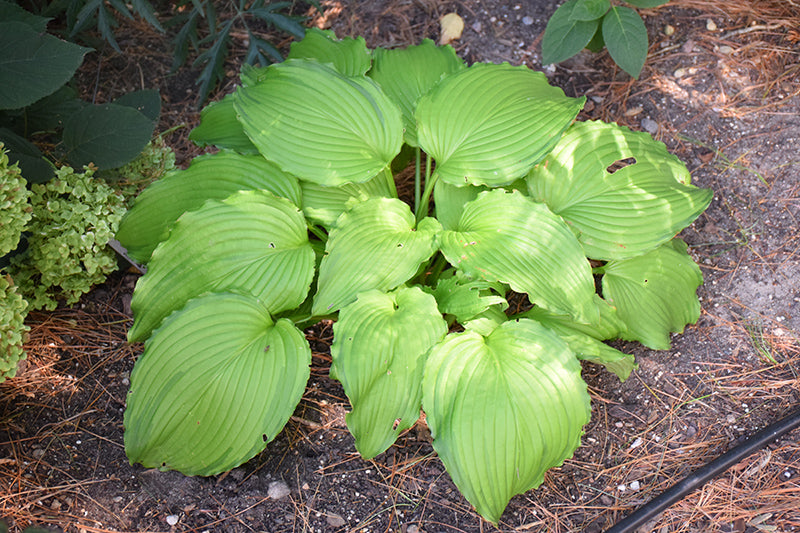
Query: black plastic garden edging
[704,474]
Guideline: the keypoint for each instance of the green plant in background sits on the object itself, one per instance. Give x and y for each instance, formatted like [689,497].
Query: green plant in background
[37,104]
[74,216]
[154,162]
[297,219]
[592,24]
[248,17]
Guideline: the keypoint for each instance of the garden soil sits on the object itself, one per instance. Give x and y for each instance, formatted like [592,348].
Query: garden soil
[720,88]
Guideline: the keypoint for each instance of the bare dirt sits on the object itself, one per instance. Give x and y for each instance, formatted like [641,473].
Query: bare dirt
[721,91]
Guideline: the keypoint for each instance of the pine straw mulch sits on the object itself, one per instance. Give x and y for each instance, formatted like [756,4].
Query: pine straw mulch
[731,374]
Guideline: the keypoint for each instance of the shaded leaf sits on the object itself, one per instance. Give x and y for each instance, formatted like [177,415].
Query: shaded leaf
[251,242]
[147,102]
[466,298]
[350,56]
[216,383]
[626,39]
[589,9]
[323,205]
[379,348]
[489,124]
[374,245]
[502,409]
[215,176]
[219,127]
[564,35]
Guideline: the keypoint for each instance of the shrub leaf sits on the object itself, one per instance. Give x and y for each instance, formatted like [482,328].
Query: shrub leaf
[565,35]
[626,39]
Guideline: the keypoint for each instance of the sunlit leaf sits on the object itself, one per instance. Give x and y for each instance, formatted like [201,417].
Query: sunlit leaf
[219,127]
[349,56]
[379,348]
[502,409]
[214,385]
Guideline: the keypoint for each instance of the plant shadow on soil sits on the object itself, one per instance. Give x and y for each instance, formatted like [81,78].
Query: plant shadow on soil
[721,91]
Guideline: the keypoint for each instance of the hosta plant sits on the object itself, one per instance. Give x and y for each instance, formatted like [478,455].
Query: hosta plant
[297,218]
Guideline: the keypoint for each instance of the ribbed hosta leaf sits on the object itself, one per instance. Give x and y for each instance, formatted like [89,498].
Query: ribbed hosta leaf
[215,383]
[214,176]
[319,124]
[466,298]
[379,346]
[406,74]
[349,56]
[323,205]
[252,242]
[450,201]
[622,214]
[489,124]
[508,238]
[219,127]
[655,293]
[375,245]
[503,409]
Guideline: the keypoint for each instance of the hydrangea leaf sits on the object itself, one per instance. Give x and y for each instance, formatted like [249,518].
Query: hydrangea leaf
[490,124]
[323,205]
[219,127]
[349,56]
[502,409]
[215,383]
[566,34]
[406,74]
[507,237]
[655,293]
[374,245]
[379,348]
[626,39]
[251,242]
[623,213]
[319,124]
[214,176]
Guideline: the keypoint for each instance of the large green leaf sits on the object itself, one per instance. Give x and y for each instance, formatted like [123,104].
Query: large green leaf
[489,124]
[319,124]
[323,205]
[503,409]
[349,56]
[374,245]
[379,346]
[214,176]
[219,127]
[10,11]
[622,214]
[108,135]
[566,34]
[655,293]
[406,74]
[626,39]
[251,242]
[33,64]
[216,383]
[508,238]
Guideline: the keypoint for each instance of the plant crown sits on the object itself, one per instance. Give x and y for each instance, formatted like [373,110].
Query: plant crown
[298,218]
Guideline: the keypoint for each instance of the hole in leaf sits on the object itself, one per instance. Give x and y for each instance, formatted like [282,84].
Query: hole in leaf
[619,164]
[264,437]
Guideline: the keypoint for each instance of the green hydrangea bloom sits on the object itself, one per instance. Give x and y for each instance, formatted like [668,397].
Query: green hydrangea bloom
[15,211]
[13,331]
[74,217]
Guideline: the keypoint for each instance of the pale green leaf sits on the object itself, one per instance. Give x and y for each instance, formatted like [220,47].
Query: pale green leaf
[406,74]
[489,124]
[655,293]
[564,36]
[323,205]
[219,127]
[507,237]
[215,383]
[374,245]
[33,64]
[450,201]
[502,409]
[626,39]
[465,298]
[379,346]
[350,56]
[251,242]
[622,214]
[320,125]
[215,176]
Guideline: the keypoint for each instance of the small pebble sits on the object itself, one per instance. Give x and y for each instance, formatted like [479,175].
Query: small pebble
[334,520]
[527,20]
[711,25]
[477,27]
[650,126]
[725,50]
[172,519]
[669,30]
[278,490]
[679,73]
[632,112]
[634,485]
